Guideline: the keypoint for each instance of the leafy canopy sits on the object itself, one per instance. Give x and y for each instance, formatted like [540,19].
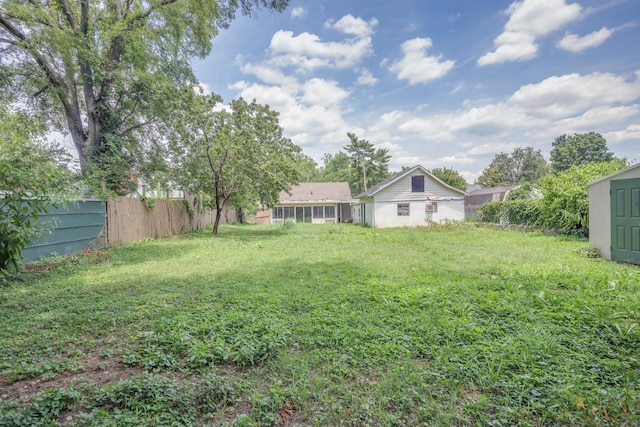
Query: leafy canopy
[109,72]
[236,156]
[524,164]
[369,165]
[451,177]
[578,150]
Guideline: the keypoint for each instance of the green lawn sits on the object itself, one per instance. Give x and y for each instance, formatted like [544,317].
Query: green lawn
[325,325]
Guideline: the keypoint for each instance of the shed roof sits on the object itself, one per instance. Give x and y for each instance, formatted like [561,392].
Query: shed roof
[493,190]
[614,174]
[316,192]
[393,178]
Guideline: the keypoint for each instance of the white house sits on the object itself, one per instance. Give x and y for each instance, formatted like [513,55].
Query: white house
[314,202]
[411,198]
[614,215]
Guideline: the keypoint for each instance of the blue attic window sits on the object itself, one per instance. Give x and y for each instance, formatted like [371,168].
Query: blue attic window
[417,184]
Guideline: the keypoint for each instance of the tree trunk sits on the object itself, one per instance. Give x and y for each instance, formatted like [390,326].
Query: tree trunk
[219,206]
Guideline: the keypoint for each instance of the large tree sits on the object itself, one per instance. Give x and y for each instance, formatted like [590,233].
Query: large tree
[107,71]
[451,177]
[235,156]
[524,164]
[577,150]
[370,165]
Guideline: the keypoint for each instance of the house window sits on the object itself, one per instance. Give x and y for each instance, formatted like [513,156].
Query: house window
[417,184]
[329,211]
[318,212]
[276,213]
[404,209]
[289,212]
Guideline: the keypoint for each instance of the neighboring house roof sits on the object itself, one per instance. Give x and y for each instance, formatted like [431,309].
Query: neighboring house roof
[316,192]
[393,178]
[480,196]
[612,175]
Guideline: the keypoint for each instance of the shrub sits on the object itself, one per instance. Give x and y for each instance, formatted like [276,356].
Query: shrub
[565,205]
[30,182]
[521,212]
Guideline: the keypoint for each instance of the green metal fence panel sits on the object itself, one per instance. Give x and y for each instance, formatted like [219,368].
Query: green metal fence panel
[74,228]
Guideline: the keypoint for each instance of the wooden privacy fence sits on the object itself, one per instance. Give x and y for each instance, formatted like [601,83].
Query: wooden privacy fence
[131,219]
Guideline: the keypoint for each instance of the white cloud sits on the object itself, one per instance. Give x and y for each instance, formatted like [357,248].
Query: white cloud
[598,117]
[630,134]
[576,43]
[457,89]
[298,12]
[529,20]
[418,67]
[272,75]
[307,52]
[323,92]
[366,78]
[349,24]
[570,94]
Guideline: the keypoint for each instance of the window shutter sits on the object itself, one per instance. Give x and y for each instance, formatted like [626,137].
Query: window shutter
[417,184]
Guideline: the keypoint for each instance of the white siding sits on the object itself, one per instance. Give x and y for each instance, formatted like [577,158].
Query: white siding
[600,218]
[386,213]
[385,206]
[400,190]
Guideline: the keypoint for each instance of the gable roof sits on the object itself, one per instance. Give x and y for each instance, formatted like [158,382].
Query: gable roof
[314,192]
[393,178]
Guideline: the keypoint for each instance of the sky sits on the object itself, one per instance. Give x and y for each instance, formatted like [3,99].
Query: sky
[438,83]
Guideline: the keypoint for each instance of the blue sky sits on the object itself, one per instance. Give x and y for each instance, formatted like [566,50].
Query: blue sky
[438,83]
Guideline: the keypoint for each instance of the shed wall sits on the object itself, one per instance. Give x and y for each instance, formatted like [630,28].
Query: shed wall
[600,211]
[600,218]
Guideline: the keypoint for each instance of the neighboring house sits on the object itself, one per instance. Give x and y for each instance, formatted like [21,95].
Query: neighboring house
[477,197]
[411,198]
[614,215]
[315,203]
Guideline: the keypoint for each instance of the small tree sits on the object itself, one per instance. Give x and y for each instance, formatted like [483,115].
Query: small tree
[237,156]
[451,177]
[578,150]
[30,182]
[369,165]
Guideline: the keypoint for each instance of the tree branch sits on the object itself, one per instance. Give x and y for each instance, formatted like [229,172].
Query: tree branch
[137,126]
[69,14]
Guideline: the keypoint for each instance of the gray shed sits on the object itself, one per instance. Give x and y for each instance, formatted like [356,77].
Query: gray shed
[614,215]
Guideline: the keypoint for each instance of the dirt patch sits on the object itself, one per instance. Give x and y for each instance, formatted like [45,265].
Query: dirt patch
[467,396]
[95,370]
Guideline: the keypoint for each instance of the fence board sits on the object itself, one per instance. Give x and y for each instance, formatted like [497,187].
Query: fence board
[130,219]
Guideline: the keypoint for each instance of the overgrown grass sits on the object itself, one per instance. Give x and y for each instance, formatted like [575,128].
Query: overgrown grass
[327,325]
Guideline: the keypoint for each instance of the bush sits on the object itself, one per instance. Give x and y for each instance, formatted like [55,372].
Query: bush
[521,212]
[30,182]
[565,205]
